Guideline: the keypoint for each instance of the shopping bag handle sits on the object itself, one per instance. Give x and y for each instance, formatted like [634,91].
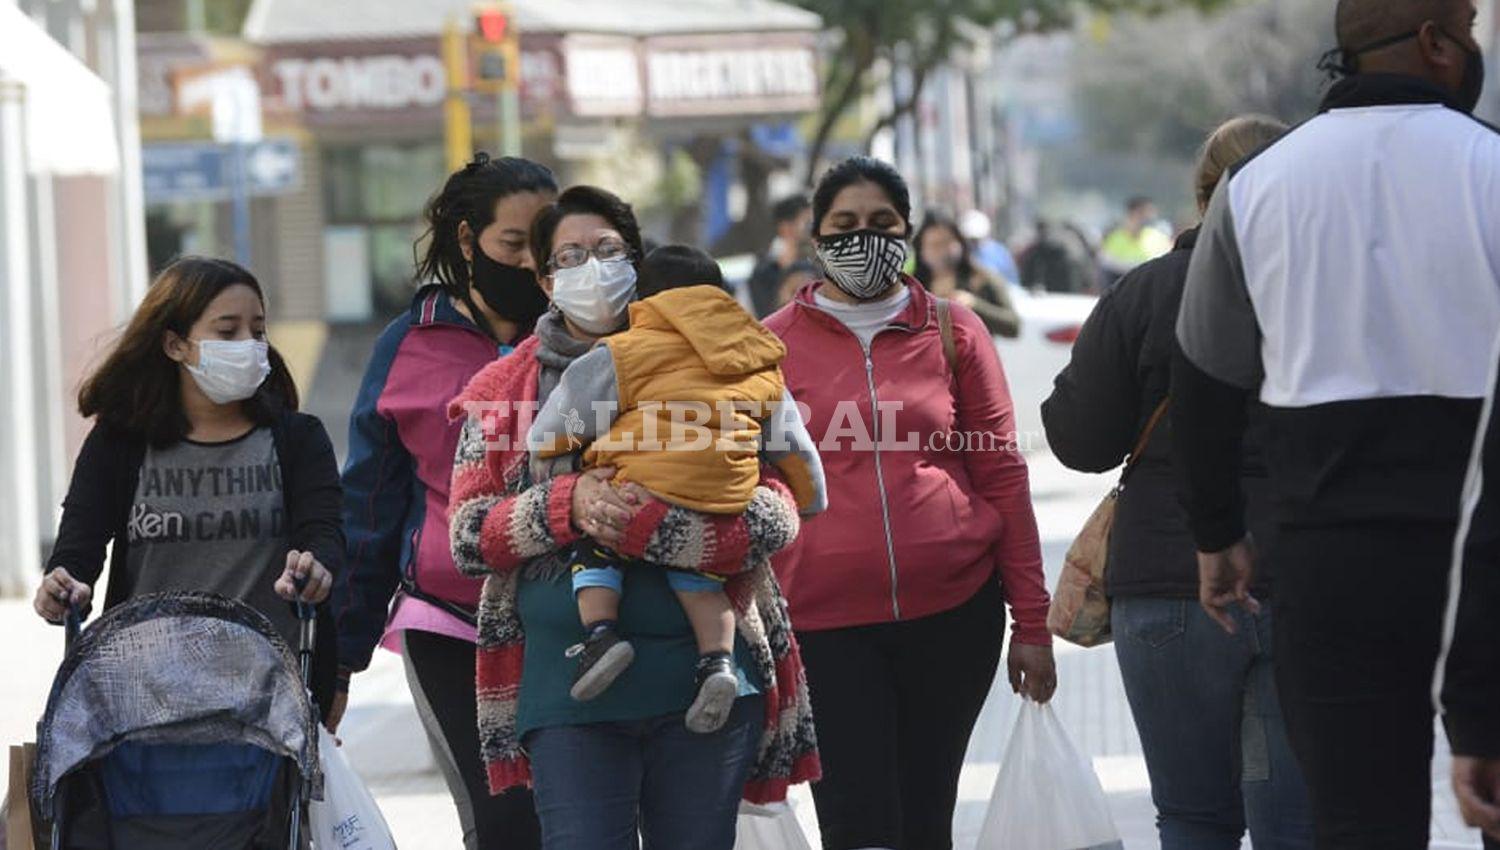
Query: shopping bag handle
[72,626]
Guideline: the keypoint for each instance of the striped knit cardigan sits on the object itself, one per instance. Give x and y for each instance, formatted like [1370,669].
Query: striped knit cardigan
[499,524]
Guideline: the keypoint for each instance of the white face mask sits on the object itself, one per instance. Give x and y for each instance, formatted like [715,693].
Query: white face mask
[595,295]
[231,370]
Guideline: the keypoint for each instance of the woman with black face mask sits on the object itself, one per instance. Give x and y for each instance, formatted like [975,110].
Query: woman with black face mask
[478,300]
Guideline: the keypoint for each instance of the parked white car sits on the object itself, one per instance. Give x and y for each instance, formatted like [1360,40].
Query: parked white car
[1050,322]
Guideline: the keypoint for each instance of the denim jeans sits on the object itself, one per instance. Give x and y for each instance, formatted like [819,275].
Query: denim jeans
[598,566]
[599,784]
[1206,708]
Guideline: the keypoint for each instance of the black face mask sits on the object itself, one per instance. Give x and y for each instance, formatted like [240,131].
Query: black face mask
[1342,63]
[1472,86]
[511,291]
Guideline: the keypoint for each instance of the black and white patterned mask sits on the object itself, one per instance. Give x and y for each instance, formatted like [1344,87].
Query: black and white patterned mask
[862,263]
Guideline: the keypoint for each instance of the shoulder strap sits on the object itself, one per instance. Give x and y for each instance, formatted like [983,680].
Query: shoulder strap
[945,329]
[1145,438]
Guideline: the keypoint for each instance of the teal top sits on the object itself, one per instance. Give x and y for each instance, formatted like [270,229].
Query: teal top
[659,682]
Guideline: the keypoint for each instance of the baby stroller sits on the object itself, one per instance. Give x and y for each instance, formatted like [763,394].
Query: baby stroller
[179,720]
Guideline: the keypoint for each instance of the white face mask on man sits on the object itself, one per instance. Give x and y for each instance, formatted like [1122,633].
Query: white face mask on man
[595,295]
[230,370]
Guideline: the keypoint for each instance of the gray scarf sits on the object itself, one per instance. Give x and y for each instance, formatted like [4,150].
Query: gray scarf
[558,349]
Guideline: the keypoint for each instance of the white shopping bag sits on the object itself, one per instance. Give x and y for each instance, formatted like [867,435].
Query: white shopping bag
[769,827]
[1046,796]
[347,817]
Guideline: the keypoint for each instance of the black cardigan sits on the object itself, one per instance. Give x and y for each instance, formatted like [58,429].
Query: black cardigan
[97,509]
[1120,371]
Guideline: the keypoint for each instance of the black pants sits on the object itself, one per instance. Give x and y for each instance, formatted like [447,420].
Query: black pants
[1358,623]
[895,704]
[440,671]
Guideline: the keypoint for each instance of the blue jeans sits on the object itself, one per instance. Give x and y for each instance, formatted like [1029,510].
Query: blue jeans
[598,566]
[598,784]
[1210,723]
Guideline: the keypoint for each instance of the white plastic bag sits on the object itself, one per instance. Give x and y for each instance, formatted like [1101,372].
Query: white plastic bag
[347,817]
[770,827]
[1046,796]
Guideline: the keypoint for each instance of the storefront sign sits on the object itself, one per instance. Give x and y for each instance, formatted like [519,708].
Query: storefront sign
[387,81]
[728,81]
[603,79]
[403,82]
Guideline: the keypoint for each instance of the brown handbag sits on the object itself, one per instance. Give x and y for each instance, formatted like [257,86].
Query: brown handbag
[1080,610]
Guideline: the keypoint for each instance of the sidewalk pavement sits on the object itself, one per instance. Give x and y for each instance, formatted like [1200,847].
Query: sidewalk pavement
[386,744]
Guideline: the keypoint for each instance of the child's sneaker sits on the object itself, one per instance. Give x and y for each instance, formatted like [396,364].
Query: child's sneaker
[718,688]
[602,657]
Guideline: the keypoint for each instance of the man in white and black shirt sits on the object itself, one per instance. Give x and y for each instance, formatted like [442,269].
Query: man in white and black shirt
[1349,275]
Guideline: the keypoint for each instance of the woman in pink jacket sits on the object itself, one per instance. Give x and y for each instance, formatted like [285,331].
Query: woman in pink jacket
[898,591]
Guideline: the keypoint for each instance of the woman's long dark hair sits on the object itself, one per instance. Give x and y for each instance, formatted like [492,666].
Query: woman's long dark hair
[963,271]
[139,388]
[470,195]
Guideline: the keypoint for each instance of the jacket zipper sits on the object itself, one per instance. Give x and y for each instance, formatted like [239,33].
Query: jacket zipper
[885,506]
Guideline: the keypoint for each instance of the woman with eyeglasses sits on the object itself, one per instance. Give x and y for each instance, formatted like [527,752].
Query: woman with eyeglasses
[624,762]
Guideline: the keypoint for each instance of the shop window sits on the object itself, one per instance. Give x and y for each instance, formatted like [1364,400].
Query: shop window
[374,195]
[380,183]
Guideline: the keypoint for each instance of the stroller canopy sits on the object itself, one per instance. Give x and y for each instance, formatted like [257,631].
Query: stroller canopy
[183,668]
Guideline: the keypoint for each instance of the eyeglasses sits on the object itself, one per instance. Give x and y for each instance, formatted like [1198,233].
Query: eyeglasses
[573,256]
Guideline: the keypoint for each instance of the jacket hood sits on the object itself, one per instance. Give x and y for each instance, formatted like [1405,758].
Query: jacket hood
[727,339]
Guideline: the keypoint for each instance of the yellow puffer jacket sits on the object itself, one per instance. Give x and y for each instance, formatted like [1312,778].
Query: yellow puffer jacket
[694,347]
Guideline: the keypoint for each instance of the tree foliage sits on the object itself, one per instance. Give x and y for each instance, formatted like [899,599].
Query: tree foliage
[1157,86]
[922,35]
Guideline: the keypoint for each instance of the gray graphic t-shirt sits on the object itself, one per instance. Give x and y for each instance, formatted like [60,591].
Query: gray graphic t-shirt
[210,517]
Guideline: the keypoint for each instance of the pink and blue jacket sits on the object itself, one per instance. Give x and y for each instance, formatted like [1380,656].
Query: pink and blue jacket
[399,571]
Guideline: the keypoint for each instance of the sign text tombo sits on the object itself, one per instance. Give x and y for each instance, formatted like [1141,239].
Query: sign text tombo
[390,81]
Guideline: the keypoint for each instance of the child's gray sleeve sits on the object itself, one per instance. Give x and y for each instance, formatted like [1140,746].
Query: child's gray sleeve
[582,408]
[787,445]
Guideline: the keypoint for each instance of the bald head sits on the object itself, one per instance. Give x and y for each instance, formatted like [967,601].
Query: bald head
[1421,38]
[1364,22]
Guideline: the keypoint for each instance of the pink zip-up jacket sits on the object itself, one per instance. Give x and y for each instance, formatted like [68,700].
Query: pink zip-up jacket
[929,498]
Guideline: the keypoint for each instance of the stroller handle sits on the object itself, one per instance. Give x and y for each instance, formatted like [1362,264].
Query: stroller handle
[307,620]
[304,610]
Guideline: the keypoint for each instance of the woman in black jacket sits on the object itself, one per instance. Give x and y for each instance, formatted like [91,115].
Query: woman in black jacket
[1204,701]
[199,469]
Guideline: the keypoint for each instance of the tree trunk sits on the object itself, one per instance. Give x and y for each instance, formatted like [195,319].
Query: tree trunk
[830,117]
[752,233]
[906,107]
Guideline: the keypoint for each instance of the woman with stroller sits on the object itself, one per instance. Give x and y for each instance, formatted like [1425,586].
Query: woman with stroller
[199,468]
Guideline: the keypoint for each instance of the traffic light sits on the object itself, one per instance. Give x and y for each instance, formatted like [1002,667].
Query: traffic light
[495,50]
